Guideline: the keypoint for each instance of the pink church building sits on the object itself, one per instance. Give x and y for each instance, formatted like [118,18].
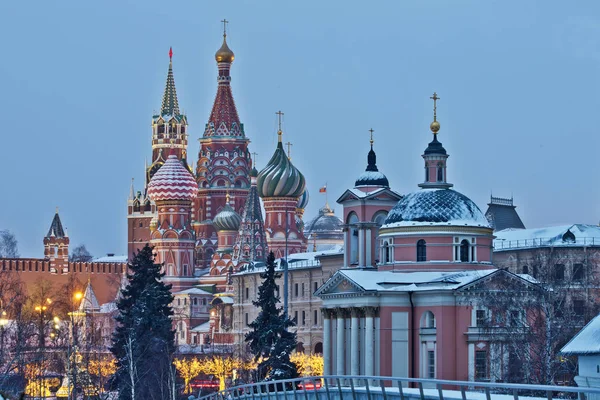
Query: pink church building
[400,306]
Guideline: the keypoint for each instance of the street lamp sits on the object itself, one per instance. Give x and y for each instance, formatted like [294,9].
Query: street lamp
[3,323]
[41,308]
[73,345]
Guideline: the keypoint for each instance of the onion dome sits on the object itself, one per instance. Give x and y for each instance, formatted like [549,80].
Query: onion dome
[224,54]
[153,223]
[280,178]
[326,225]
[254,172]
[228,219]
[172,182]
[436,207]
[303,200]
[371,176]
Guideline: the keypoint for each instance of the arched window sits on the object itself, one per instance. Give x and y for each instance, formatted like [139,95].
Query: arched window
[386,252]
[464,251]
[428,320]
[440,173]
[352,220]
[525,269]
[421,251]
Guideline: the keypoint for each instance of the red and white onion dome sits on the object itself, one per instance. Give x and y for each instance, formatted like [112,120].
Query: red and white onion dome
[172,182]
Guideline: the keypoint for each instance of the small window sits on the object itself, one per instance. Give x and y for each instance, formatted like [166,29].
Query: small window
[296,317]
[296,289]
[579,308]
[440,173]
[431,364]
[480,317]
[464,251]
[178,302]
[302,289]
[481,364]
[303,318]
[316,286]
[247,319]
[578,272]
[247,293]
[315,317]
[525,269]
[559,272]
[421,251]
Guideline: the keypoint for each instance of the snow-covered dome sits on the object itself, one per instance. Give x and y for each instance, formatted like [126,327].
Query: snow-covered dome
[436,207]
[227,220]
[326,225]
[303,200]
[280,178]
[172,182]
[371,176]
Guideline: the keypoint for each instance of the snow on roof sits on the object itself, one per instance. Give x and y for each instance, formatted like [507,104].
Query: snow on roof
[297,260]
[360,194]
[108,307]
[204,327]
[111,259]
[587,341]
[562,235]
[411,281]
[193,291]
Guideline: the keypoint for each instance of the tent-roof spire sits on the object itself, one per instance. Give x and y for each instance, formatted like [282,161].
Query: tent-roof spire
[170,105]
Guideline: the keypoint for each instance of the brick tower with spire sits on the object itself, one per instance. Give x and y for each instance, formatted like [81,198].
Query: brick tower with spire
[169,136]
[56,246]
[224,162]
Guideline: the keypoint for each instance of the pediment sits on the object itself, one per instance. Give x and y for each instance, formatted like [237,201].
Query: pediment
[499,281]
[339,284]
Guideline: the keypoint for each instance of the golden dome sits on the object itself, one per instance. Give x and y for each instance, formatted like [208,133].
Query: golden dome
[224,54]
[435,127]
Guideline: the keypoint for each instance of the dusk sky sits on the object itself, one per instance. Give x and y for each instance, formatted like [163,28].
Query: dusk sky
[518,82]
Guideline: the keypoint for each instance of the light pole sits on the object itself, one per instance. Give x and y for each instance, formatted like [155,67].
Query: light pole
[42,341]
[3,323]
[73,347]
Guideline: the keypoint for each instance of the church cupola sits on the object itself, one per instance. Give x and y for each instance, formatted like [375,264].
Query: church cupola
[169,127]
[435,157]
[371,179]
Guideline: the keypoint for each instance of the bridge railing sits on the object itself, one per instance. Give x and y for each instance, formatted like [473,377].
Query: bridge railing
[390,388]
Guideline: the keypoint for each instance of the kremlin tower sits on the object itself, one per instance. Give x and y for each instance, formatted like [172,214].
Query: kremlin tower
[224,161]
[56,246]
[281,185]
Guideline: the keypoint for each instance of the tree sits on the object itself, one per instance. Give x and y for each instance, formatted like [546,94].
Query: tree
[308,364]
[270,340]
[188,369]
[80,254]
[221,367]
[8,245]
[143,343]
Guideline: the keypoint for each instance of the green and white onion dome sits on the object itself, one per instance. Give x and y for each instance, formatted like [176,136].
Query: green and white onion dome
[227,220]
[280,178]
[303,200]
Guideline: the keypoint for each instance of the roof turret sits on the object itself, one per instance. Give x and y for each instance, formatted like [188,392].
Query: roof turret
[372,176]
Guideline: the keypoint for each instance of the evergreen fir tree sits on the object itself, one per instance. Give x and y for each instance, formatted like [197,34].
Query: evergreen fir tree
[270,340]
[143,343]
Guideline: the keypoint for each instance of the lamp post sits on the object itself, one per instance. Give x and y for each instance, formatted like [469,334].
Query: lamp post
[73,347]
[3,323]
[42,341]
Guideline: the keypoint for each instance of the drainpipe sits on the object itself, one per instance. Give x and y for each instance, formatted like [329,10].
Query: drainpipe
[412,335]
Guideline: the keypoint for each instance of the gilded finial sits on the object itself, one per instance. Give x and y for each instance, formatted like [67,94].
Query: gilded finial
[224,54]
[170,54]
[289,148]
[435,125]
[227,197]
[225,22]
[371,141]
[279,132]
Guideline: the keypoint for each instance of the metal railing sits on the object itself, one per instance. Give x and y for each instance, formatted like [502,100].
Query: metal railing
[504,244]
[337,387]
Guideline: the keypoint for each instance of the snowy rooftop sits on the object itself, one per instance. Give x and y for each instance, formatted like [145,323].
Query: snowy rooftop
[587,341]
[111,259]
[563,235]
[298,260]
[204,327]
[194,291]
[436,207]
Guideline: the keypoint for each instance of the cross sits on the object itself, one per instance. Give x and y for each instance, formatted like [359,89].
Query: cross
[435,98]
[371,131]
[289,145]
[279,115]
[254,161]
[225,22]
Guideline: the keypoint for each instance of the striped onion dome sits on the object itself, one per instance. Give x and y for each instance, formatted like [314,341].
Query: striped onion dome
[227,220]
[172,182]
[280,178]
[303,200]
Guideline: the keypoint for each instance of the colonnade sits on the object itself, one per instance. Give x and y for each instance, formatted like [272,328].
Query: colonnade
[339,317]
[364,242]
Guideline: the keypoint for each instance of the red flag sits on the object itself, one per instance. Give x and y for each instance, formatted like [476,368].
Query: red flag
[323,189]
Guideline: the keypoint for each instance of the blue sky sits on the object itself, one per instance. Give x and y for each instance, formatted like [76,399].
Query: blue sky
[517,80]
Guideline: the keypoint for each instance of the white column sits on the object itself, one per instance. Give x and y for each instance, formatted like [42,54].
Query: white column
[361,247]
[354,360]
[326,342]
[369,261]
[471,361]
[369,331]
[340,342]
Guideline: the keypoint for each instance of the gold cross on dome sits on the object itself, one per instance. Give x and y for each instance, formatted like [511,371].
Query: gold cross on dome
[279,116]
[225,22]
[371,132]
[254,161]
[289,147]
[435,98]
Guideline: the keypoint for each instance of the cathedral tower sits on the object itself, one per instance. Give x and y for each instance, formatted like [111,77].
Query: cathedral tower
[56,246]
[173,188]
[280,185]
[224,161]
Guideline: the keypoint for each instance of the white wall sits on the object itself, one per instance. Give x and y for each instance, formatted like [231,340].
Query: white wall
[588,365]
[400,344]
